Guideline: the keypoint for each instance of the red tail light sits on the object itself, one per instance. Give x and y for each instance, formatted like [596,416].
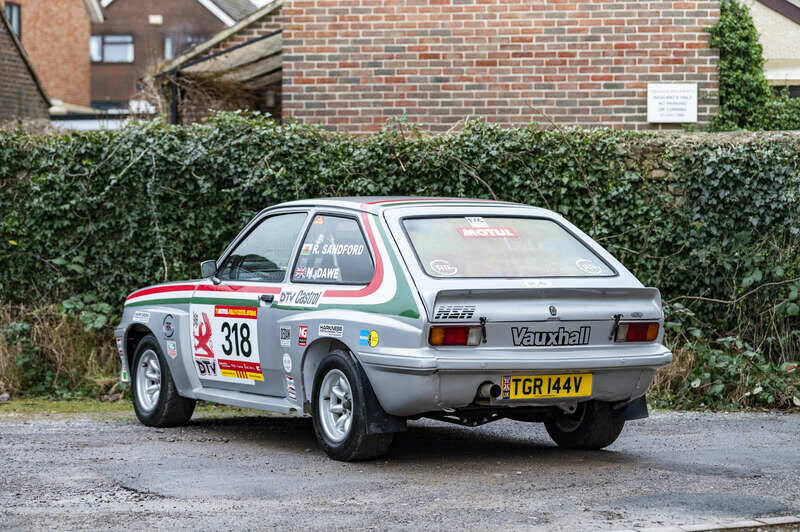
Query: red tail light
[637,332]
[455,336]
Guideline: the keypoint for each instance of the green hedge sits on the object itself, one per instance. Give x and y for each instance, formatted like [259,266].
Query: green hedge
[85,218]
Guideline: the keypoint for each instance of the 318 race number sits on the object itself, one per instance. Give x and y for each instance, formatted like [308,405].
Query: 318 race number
[237,338]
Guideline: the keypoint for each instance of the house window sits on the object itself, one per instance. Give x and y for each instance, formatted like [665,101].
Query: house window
[169,47]
[192,40]
[111,48]
[13,17]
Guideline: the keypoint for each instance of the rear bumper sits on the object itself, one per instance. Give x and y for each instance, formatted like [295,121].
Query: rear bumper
[431,380]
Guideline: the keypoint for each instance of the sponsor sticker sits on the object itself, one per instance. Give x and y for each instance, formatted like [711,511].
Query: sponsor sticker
[202,336]
[589,266]
[302,335]
[522,336]
[169,326]
[334,331]
[172,349]
[286,336]
[287,363]
[291,392]
[141,316]
[240,369]
[319,220]
[476,221]
[206,368]
[487,232]
[300,298]
[367,337]
[443,267]
[225,311]
[535,283]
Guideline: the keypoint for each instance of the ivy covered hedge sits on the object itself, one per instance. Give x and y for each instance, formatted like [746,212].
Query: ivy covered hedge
[85,218]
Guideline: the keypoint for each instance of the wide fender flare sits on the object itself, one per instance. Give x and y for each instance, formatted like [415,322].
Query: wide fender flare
[378,421]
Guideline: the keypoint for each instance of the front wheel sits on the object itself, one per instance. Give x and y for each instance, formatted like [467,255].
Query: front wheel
[340,411]
[155,397]
[593,426]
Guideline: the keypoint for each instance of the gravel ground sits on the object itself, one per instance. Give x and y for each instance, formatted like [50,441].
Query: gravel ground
[101,471]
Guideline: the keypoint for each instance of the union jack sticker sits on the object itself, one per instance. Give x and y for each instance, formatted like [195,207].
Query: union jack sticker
[506,387]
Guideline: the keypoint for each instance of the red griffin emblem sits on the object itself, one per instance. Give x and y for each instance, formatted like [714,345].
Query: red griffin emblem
[203,338]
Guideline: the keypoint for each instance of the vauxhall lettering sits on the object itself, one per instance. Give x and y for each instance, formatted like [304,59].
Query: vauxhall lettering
[522,336]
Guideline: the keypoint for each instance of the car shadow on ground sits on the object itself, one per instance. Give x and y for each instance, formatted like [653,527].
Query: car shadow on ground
[424,440]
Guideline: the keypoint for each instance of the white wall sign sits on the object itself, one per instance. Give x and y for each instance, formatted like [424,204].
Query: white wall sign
[671,103]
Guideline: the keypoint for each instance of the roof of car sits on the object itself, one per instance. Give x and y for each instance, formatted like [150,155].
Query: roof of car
[375,203]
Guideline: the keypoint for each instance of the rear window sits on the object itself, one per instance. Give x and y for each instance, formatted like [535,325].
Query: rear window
[475,246]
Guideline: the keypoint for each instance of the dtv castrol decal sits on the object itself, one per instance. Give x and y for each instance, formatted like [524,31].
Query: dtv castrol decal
[524,337]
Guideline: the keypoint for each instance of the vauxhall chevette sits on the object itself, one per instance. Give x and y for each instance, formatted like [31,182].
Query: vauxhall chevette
[365,313]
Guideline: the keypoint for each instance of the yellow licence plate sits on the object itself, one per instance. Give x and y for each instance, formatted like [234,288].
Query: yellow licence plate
[546,386]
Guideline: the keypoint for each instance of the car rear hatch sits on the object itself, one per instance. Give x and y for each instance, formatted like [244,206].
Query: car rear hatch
[557,288]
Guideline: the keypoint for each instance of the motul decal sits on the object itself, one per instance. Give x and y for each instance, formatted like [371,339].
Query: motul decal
[522,336]
[487,232]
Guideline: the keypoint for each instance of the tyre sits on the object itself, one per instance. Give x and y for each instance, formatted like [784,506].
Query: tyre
[155,398]
[339,411]
[593,425]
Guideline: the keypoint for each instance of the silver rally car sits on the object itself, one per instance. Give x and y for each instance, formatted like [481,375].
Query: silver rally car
[367,312]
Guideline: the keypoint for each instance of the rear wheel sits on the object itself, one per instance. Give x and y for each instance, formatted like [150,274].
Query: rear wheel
[155,398]
[340,411]
[593,425]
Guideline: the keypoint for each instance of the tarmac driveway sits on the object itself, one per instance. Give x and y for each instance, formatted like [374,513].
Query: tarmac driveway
[96,471]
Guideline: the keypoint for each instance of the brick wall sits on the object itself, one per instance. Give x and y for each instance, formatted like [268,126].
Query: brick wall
[352,64]
[20,98]
[55,34]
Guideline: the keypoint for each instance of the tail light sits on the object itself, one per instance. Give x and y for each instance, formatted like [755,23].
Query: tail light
[637,332]
[455,336]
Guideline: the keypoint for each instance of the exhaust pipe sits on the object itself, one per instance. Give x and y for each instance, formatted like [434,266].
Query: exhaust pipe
[488,390]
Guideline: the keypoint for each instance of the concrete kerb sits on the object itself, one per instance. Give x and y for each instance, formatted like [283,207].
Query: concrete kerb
[722,525]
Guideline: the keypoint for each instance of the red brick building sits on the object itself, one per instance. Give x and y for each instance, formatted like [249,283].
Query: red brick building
[137,35]
[55,35]
[353,64]
[22,96]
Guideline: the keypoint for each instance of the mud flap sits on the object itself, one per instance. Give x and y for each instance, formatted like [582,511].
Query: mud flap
[636,409]
[378,421]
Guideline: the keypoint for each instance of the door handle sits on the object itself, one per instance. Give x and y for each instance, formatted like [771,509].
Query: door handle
[267,298]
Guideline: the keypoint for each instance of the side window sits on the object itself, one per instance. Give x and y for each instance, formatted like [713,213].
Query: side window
[264,254]
[334,252]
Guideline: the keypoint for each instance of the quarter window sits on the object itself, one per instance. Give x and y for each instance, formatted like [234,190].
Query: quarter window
[264,254]
[111,48]
[334,252]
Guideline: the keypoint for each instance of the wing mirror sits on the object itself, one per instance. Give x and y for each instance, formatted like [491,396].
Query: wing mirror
[208,268]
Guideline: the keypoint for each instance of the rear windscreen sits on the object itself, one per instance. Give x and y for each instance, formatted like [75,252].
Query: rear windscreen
[475,246]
